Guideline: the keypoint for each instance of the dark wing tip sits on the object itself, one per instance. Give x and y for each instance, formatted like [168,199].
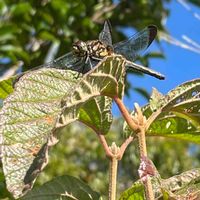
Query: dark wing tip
[152,33]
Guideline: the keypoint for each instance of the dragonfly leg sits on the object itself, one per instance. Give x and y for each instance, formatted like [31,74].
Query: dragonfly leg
[87,62]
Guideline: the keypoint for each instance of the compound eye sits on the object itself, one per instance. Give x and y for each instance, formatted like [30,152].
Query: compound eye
[75,47]
[82,44]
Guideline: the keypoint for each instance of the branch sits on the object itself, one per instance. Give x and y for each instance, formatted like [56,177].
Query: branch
[131,121]
[105,145]
[124,146]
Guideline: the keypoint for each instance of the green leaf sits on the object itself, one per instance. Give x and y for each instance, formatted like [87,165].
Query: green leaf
[3,191]
[8,47]
[183,186]
[21,8]
[45,35]
[6,87]
[64,187]
[28,117]
[96,113]
[175,187]
[136,192]
[175,115]
[106,79]
[154,102]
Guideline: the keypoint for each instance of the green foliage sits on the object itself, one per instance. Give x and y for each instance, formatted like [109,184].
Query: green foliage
[64,187]
[6,87]
[27,32]
[175,187]
[174,115]
[29,116]
[64,106]
[29,29]
[136,192]
[43,101]
[195,2]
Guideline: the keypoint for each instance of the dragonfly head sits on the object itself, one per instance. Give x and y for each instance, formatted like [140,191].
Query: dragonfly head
[80,47]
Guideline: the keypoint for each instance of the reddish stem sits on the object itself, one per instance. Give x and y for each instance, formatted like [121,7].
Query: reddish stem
[124,146]
[104,143]
[130,120]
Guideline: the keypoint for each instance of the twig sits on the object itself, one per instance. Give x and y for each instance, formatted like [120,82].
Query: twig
[137,123]
[124,146]
[131,121]
[105,145]
[143,152]
[115,154]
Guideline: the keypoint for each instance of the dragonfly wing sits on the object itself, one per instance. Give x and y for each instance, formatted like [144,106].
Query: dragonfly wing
[67,61]
[105,34]
[136,43]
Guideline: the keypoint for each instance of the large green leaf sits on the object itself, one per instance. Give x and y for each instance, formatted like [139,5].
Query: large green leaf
[96,113]
[176,114]
[64,187]
[29,117]
[106,80]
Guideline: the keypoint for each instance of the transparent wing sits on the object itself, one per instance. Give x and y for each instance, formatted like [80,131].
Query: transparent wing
[140,41]
[105,34]
[67,61]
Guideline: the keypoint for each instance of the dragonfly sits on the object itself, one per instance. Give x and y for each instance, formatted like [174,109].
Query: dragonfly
[86,55]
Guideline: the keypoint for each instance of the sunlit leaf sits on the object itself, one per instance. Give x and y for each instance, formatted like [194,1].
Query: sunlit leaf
[136,192]
[183,186]
[106,80]
[176,187]
[27,119]
[21,8]
[29,116]
[176,114]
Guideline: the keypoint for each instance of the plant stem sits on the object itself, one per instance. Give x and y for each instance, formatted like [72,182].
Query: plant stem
[113,178]
[130,120]
[124,146]
[105,145]
[143,153]
[114,154]
[113,172]
[142,143]
[138,123]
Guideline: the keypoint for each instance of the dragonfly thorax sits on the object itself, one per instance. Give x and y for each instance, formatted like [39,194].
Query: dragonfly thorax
[94,49]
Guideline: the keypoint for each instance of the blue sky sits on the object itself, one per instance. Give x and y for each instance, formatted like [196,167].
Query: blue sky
[180,65]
